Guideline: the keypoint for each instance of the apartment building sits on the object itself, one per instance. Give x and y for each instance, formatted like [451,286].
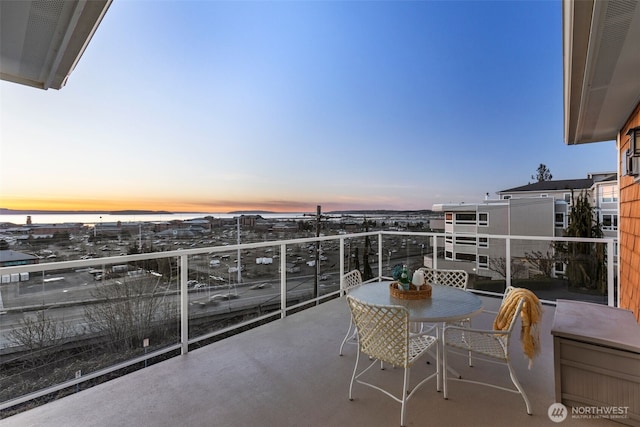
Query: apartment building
[601,189]
[467,224]
[538,209]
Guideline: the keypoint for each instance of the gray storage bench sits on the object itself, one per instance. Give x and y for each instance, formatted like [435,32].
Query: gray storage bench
[596,351]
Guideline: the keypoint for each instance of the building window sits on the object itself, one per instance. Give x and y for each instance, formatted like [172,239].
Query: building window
[483,219]
[466,218]
[567,197]
[466,240]
[483,242]
[448,255]
[609,222]
[559,267]
[483,261]
[560,220]
[461,256]
[506,197]
[448,218]
[608,193]
[448,238]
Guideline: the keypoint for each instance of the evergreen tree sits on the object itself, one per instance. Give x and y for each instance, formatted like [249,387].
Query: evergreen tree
[585,260]
[542,174]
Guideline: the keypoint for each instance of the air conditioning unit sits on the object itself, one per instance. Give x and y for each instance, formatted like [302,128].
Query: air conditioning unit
[632,155]
[632,164]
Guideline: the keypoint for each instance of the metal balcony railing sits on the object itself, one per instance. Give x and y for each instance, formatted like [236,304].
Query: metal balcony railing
[65,323]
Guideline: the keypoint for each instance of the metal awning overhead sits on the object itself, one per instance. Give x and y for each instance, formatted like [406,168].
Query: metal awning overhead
[42,41]
[601,58]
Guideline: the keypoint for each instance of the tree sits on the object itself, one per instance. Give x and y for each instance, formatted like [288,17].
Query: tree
[499,265]
[585,260]
[542,174]
[544,263]
[129,312]
[41,336]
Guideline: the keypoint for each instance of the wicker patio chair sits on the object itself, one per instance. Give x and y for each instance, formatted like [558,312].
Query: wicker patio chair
[455,278]
[349,281]
[486,345]
[383,334]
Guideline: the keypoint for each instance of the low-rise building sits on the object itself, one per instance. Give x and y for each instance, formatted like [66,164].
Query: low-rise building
[538,209]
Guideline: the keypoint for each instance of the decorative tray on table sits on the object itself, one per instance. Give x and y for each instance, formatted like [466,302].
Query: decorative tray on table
[397,291]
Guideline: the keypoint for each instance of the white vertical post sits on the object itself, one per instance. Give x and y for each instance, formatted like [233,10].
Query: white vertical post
[342,264]
[283,280]
[239,255]
[435,253]
[610,284]
[507,243]
[184,304]
[380,256]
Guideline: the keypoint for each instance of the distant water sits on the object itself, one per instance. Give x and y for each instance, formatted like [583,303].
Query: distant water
[90,219]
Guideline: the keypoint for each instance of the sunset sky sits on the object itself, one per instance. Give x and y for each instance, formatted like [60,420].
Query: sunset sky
[212,106]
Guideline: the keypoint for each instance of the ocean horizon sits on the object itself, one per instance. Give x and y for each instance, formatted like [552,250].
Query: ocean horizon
[106,218]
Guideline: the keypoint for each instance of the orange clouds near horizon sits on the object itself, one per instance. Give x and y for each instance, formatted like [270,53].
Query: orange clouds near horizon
[170,206]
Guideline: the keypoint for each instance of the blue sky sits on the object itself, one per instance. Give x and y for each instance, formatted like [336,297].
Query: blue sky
[213,106]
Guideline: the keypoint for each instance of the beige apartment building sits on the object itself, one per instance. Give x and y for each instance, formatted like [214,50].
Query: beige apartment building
[539,209]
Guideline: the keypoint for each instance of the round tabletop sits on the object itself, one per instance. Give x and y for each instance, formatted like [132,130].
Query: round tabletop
[447,304]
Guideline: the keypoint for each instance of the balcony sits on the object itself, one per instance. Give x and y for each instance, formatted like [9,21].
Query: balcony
[288,373]
[283,372]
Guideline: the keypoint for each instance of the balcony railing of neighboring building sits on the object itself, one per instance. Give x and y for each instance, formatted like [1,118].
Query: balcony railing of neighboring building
[66,323]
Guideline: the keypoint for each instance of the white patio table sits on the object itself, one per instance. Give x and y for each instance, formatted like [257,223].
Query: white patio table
[447,304]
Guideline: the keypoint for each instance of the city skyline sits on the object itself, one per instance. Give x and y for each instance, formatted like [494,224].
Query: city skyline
[282,106]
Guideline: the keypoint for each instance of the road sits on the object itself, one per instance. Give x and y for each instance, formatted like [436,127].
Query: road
[67,296]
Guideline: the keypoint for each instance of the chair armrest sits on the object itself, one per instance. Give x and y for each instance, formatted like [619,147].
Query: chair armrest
[479,331]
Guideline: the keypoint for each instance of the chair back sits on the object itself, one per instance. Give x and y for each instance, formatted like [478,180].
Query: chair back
[511,309]
[351,279]
[507,291]
[454,278]
[383,331]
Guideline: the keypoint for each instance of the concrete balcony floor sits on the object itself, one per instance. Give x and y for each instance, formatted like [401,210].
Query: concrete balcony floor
[288,373]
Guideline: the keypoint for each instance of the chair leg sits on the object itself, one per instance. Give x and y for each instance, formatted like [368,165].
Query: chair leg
[347,336]
[519,387]
[405,386]
[438,363]
[468,322]
[353,376]
[444,369]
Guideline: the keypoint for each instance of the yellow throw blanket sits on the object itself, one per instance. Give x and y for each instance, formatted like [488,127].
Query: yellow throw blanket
[530,315]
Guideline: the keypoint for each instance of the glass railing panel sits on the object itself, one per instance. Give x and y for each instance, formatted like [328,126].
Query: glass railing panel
[552,268]
[410,249]
[66,323]
[227,288]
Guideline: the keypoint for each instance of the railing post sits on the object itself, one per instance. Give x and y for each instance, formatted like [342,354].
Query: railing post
[342,272]
[283,281]
[434,264]
[610,283]
[380,256]
[507,243]
[184,304]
